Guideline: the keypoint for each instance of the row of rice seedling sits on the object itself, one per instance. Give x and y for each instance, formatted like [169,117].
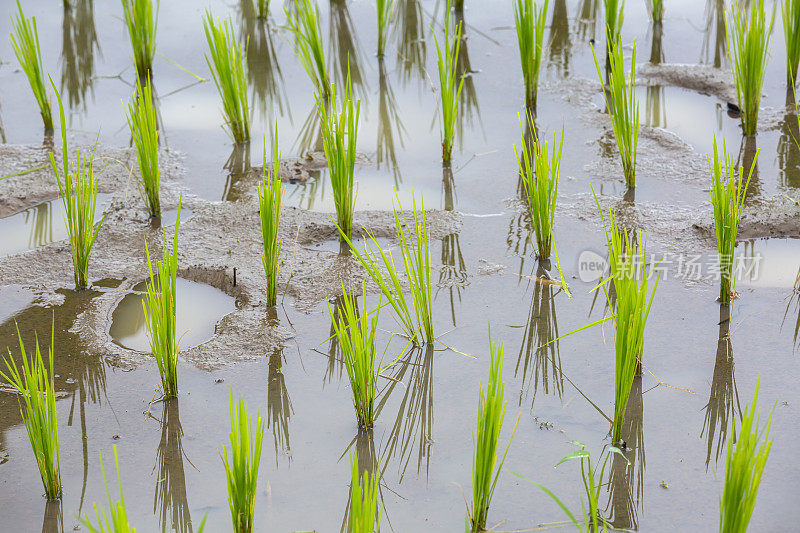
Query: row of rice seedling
[141,19]
[143,123]
[529,19]
[450,82]
[302,18]
[25,42]
[270,198]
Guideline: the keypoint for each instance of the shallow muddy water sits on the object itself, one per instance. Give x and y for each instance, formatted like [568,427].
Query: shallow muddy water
[702,359]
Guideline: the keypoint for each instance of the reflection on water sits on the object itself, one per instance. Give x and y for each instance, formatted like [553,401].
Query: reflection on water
[79,41]
[309,139]
[655,113]
[793,308]
[335,359]
[748,159]
[453,274]
[38,225]
[367,463]
[586,21]
[656,47]
[199,308]
[390,127]
[723,399]
[412,432]
[170,503]
[559,40]
[411,47]
[626,478]
[469,111]
[264,74]
[768,262]
[539,354]
[53,521]
[345,49]
[788,150]
[279,406]
[237,166]
[714,46]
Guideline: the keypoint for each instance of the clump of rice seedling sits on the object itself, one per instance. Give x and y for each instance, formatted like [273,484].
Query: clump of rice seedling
[385,10]
[727,193]
[116,521]
[744,467]
[143,123]
[530,21]
[623,108]
[615,10]
[450,83]
[229,70]
[485,465]
[459,6]
[339,134]
[262,8]
[79,194]
[656,10]
[25,42]
[365,516]
[540,174]
[748,45]
[160,308]
[303,19]
[142,20]
[592,482]
[627,257]
[270,196]
[417,323]
[241,469]
[356,336]
[35,382]
[790,9]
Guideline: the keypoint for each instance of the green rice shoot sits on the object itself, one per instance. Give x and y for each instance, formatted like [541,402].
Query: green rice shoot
[160,309]
[25,42]
[270,197]
[36,384]
[623,108]
[727,194]
[615,14]
[303,19]
[229,70]
[415,317]
[241,465]
[356,336]
[748,45]
[656,10]
[143,123]
[744,468]
[385,11]
[529,19]
[339,135]
[486,462]
[78,189]
[450,83]
[539,167]
[628,261]
[365,515]
[116,520]
[262,8]
[790,9]
[141,19]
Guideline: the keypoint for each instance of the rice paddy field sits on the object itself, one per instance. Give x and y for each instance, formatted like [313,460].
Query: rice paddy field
[440,394]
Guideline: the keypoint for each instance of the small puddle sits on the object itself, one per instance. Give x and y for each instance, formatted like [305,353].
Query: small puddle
[39,225]
[200,308]
[769,262]
[334,246]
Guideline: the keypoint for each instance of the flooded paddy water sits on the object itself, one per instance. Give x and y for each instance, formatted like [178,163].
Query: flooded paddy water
[702,359]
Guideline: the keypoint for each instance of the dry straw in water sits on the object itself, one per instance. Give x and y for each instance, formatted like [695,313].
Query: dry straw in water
[623,107]
[339,135]
[529,18]
[229,69]
[728,191]
[241,467]
[141,20]
[160,308]
[486,462]
[25,42]
[415,317]
[143,123]
[450,83]
[78,190]
[270,197]
[748,45]
[35,383]
[302,17]
[365,516]
[744,467]
[540,173]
